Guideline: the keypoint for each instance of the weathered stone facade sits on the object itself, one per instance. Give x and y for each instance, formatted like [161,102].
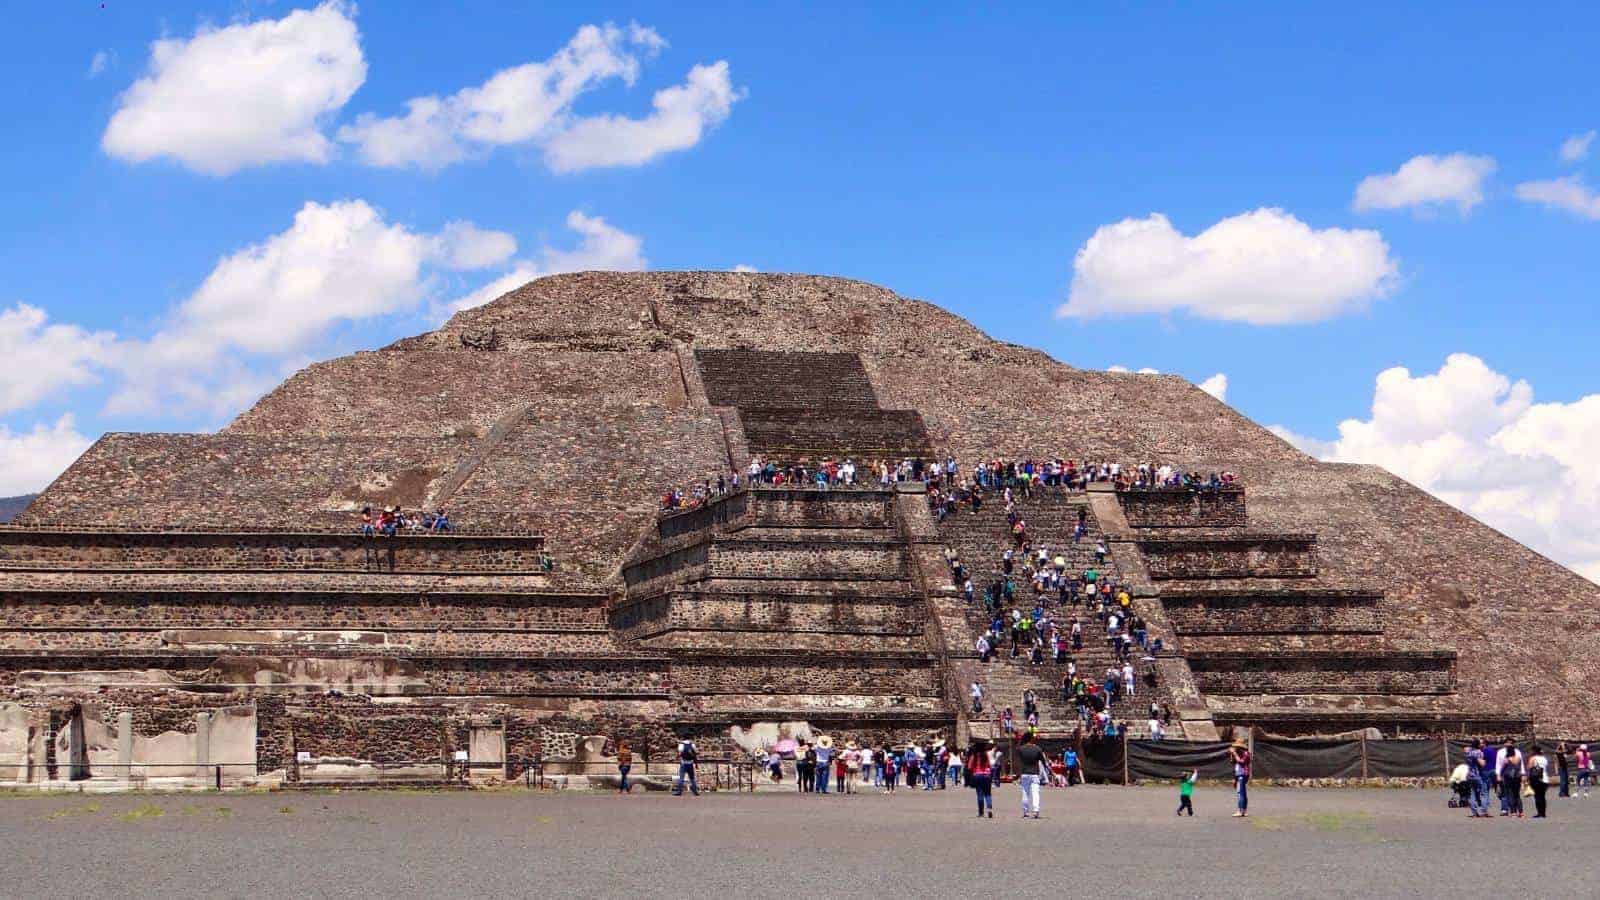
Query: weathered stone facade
[549,422]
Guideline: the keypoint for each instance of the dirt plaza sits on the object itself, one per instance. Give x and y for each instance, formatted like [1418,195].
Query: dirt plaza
[1100,841]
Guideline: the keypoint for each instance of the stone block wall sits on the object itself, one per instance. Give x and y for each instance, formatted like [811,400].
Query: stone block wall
[266,551]
[281,609]
[1351,673]
[722,618]
[1255,556]
[779,675]
[1183,508]
[1265,613]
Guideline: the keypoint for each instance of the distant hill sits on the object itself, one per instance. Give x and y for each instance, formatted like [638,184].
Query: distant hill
[10,506]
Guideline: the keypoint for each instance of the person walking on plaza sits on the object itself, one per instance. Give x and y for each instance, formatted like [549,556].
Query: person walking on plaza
[1510,778]
[1563,771]
[1239,752]
[1186,792]
[1539,780]
[1032,771]
[624,765]
[979,770]
[1480,778]
[824,763]
[1585,764]
[686,762]
[805,768]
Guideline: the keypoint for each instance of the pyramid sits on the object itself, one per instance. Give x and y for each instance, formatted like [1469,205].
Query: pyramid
[213,590]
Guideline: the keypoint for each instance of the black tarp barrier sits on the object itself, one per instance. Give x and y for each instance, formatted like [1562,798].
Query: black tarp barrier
[1102,760]
[1308,758]
[1406,759]
[1171,760]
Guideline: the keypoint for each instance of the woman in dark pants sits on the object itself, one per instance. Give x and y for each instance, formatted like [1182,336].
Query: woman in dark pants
[1563,771]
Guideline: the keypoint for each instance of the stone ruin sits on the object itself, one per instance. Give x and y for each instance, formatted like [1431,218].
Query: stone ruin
[179,608]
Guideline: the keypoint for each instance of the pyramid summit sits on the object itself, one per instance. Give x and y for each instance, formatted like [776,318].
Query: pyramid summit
[221,583]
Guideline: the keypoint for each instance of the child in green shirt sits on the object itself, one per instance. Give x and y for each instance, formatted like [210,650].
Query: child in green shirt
[1186,792]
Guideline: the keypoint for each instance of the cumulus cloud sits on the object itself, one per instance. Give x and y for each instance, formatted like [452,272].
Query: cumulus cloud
[601,247]
[337,262]
[743,267]
[1124,370]
[42,359]
[1570,194]
[247,94]
[532,104]
[1477,440]
[1264,267]
[682,115]
[29,460]
[1216,386]
[1576,148]
[1425,182]
[99,63]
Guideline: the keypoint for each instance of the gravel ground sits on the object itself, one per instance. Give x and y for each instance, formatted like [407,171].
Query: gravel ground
[1092,841]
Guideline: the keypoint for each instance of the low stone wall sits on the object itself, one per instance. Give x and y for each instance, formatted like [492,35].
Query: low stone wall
[267,609]
[1351,673]
[1183,508]
[732,557]
[1238,612]
[862,674]
[1228,556]
[59,549]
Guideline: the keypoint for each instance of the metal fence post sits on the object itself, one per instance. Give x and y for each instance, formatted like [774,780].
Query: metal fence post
[1363,756]
[1124,757]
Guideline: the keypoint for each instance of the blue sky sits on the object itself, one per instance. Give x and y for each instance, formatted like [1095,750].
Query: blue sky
[977,159]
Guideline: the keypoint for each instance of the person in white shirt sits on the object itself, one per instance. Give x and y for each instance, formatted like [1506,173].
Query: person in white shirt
[1127,677]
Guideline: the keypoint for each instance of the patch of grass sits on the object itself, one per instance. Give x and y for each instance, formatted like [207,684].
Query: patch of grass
[222,812]
[286,810]
[146,811]
[81,809]
[1326,822]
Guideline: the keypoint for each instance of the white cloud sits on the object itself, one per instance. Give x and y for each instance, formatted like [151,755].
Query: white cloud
[1124,370]
[601,247]
[682,115]
[1476,439]
[1426,181]
[1569,193]
[1216,386]
[1576,148]
[42,359]
[1264,267]
[532,104]
[243,95]
[463,245]
[99,63]
[29,460]
[742,267]
[337,262]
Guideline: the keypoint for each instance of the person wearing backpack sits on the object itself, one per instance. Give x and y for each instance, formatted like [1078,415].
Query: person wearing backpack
[686,761]
[1510,778]
[1539,780]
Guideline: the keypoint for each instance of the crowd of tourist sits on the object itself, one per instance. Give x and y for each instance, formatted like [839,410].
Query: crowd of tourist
[1050,624]
[392,520]
[1506,772]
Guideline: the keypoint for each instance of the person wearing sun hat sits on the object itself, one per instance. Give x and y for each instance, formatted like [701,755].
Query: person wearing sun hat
[1239,752]
[824,763]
